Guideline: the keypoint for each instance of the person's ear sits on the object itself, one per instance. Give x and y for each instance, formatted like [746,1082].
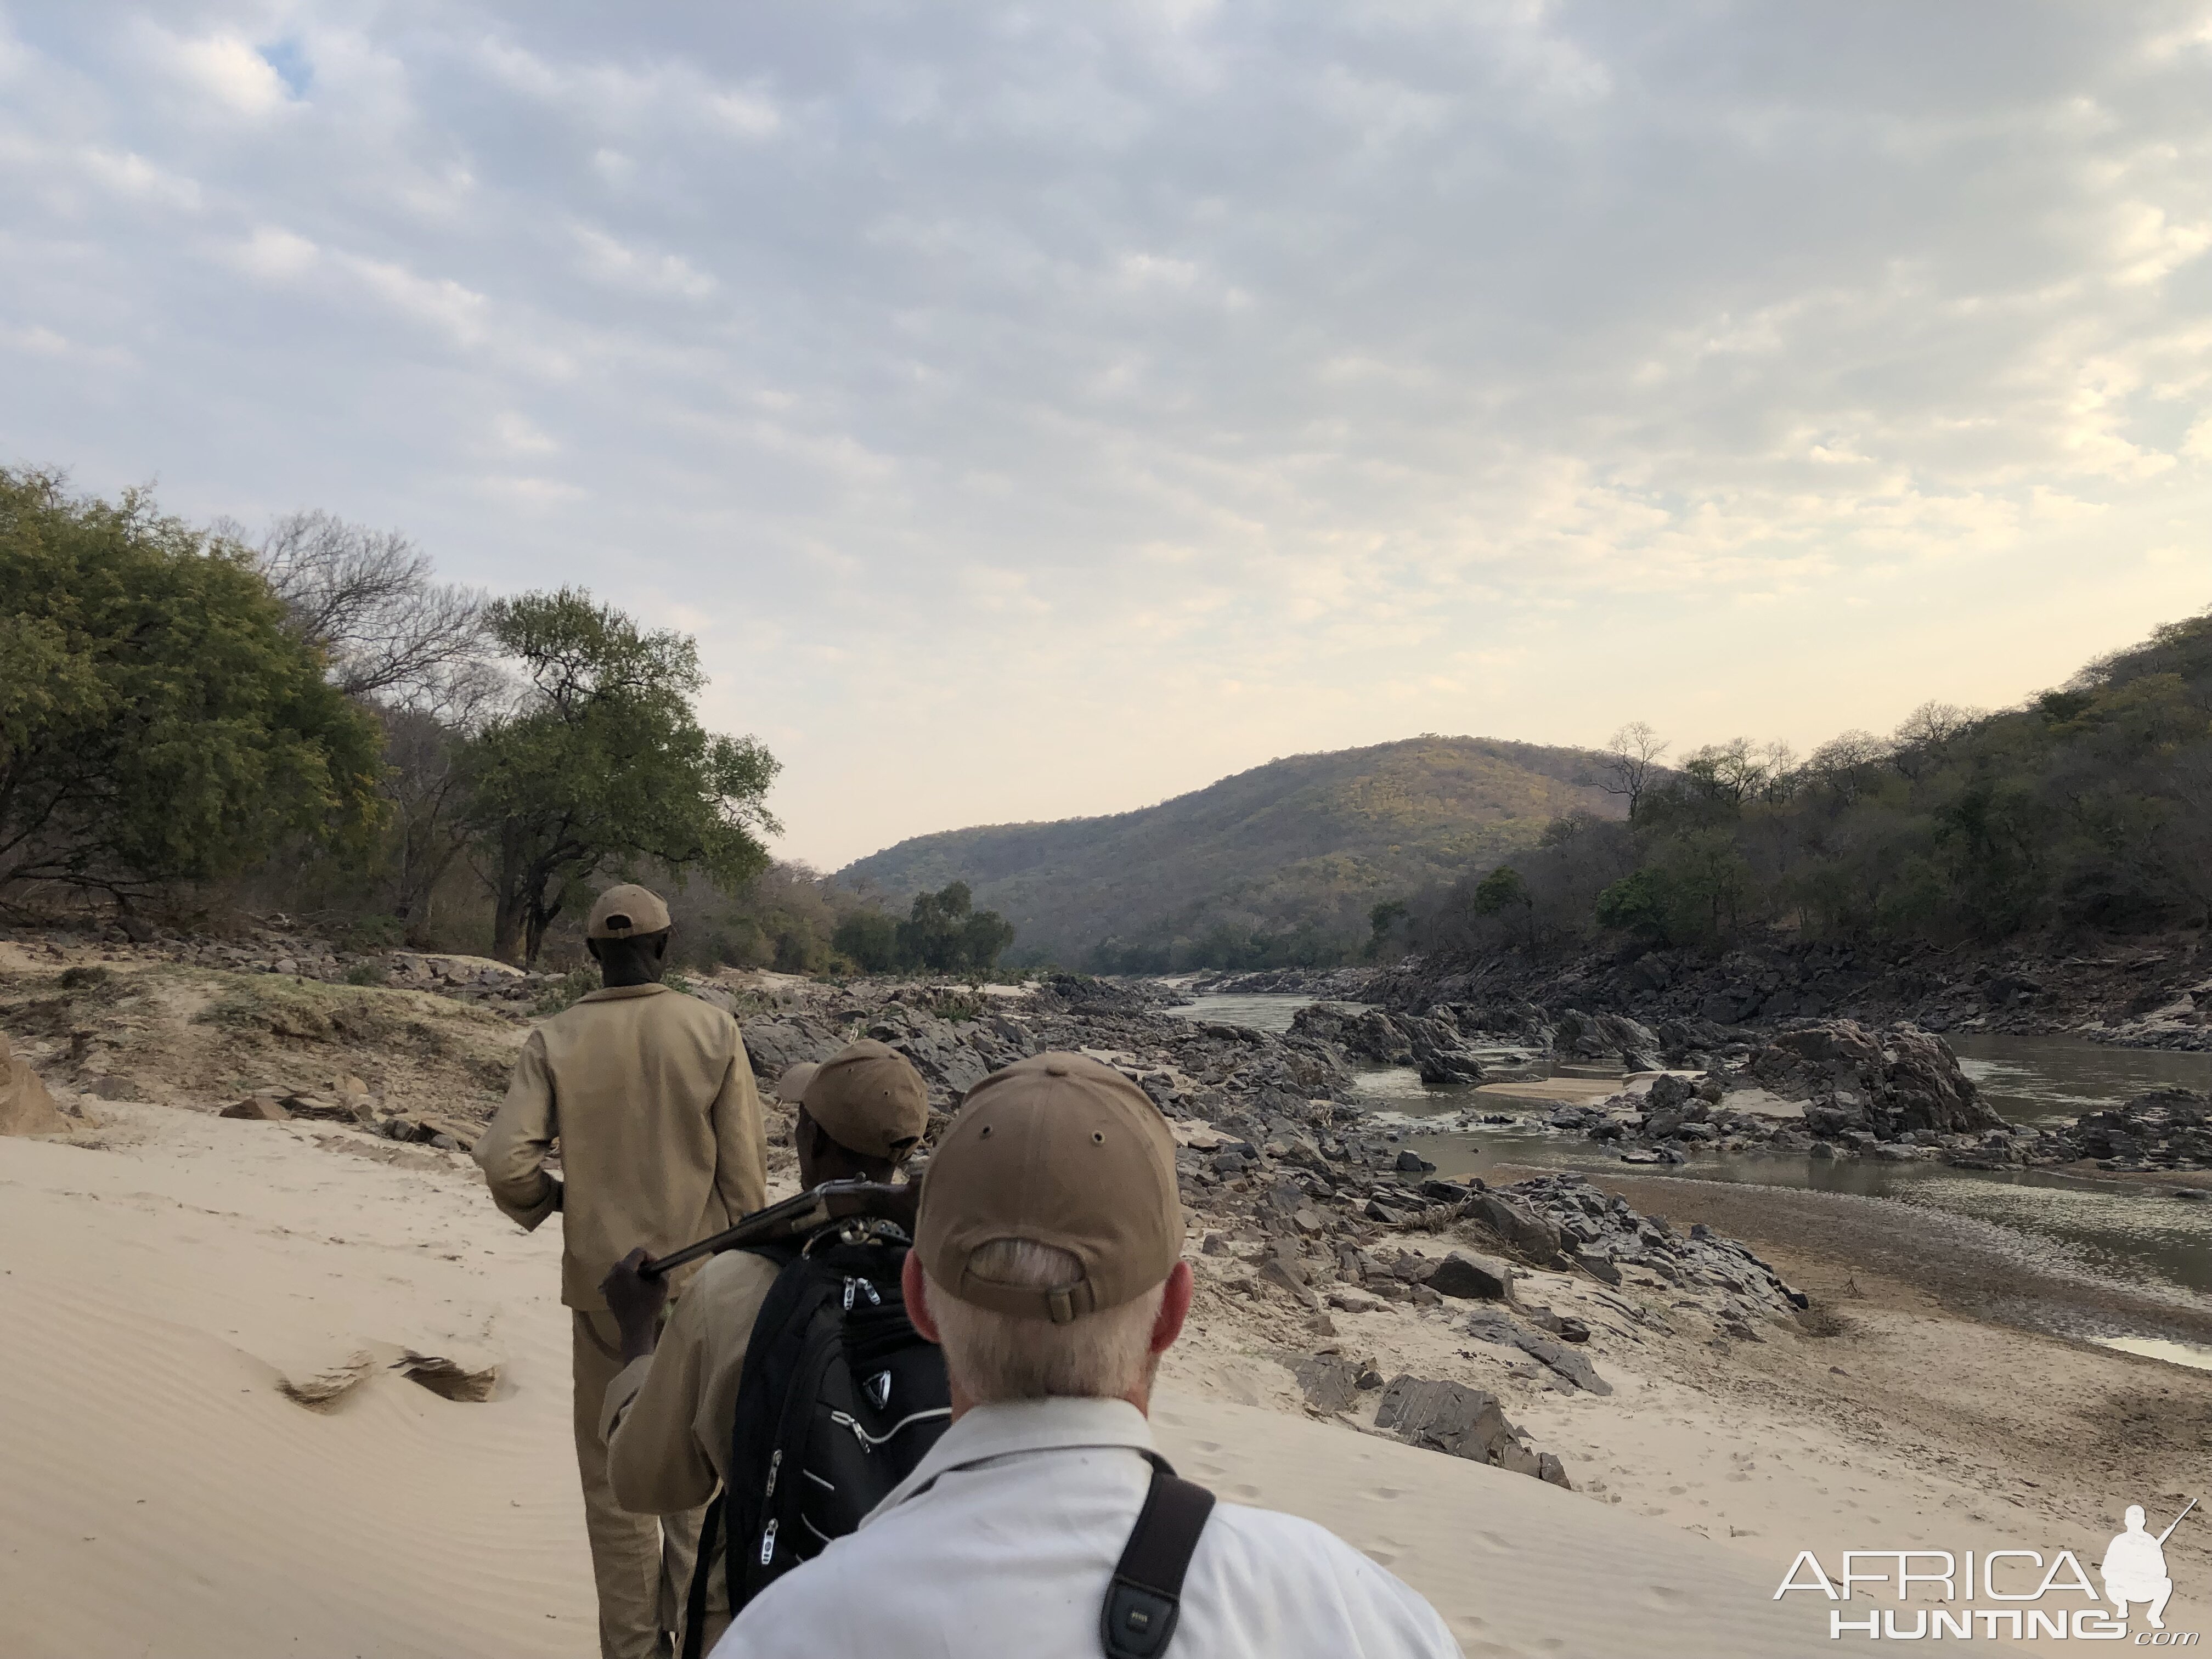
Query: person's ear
[913,1285]
[1174,1308]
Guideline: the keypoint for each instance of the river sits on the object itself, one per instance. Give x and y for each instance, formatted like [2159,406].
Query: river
[2150,1248]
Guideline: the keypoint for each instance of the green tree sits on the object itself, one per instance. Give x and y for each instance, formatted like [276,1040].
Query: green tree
[604,765]
[1382,921]
[944,932]
[159,723]
[869,938]
[1502,890]
[1638,903]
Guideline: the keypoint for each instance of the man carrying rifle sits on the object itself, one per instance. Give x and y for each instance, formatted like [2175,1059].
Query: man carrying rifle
[650,1096]
[734,1349]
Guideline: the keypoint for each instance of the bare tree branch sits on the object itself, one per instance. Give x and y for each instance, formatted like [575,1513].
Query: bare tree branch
[367,598]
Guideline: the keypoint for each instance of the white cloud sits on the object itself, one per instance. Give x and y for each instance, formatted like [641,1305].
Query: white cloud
[607,260]
[226,68]
[134,176]
[437,302]
[1306,349]
[750,113]
[274,254]
[514,435]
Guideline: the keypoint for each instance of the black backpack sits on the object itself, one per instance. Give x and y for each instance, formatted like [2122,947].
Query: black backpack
[839,1400]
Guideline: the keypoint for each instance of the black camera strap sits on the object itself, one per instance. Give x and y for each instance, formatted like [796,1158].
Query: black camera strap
[1145,1595]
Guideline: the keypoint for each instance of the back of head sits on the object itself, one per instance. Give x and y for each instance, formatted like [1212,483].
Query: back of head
[1051,1221]
[869,1099]
[627,933]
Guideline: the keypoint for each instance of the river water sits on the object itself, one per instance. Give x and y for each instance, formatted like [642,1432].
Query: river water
[2090,1231]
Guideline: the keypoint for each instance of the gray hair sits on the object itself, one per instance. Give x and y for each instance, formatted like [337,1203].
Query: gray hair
[994,1355]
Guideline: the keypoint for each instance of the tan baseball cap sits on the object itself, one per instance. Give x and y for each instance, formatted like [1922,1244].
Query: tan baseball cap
[1061,1151]
[791,1087]
[626,912]
[869,1099]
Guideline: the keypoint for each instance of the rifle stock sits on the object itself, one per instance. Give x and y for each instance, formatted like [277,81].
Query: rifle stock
[833,1200]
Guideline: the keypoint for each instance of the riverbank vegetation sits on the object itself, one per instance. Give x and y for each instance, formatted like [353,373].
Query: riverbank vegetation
[199,724]
[2086,812]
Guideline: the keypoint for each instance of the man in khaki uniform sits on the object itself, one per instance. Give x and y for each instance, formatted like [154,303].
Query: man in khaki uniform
[650,1096]
[669,1416]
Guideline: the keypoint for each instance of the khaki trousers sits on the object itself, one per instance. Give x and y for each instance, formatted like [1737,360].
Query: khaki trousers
[642,1565]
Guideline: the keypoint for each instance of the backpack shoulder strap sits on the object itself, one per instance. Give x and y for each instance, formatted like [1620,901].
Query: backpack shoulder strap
[1145,1594]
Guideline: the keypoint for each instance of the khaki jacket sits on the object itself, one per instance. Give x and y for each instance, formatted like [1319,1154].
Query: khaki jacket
[651,1095]
[667,1419]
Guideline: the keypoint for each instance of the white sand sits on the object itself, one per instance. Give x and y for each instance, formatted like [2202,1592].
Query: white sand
[161,1498]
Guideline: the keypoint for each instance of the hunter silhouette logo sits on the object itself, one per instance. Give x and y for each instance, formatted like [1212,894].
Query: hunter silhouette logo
[2135,1566]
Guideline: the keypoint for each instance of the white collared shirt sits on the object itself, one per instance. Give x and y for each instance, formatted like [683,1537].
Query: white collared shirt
[1000,1545]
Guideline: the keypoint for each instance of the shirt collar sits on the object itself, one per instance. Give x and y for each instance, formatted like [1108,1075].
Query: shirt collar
[610,993]
[1015,1427]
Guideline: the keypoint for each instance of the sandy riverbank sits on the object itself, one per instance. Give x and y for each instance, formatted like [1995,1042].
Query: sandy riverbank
[161,1495]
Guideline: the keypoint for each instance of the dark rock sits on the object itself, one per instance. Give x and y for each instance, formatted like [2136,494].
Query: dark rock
[2168,1126]
[261,1109]
[1495,1326]
[1412,1163]
[1521,1227]
[1445,1417]
[1598,1265]
[1329,1382]
[1471,1276]
[1903,1080]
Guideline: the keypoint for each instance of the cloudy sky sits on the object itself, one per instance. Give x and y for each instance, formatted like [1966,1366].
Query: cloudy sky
[1039,410]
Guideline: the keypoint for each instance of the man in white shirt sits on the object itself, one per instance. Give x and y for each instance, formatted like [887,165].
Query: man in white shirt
[1047,1263]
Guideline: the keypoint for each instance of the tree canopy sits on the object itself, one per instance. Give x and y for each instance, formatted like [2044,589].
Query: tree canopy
[604,765]
[2089,810]
[942,932]
[159,720]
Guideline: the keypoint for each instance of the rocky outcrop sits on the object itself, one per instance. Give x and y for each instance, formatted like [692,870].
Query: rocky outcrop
[1574,1372]
[1433,1044]
[2166,1129]
[1901,1081]
[1462,1422]
[1598,1037]
[1596,1225]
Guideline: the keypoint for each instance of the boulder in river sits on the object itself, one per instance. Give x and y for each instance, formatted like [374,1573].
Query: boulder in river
[1884,1085]
[2168,1128]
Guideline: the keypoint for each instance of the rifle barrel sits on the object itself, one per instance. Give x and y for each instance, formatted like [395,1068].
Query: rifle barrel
[828,1202]
[2178,1520]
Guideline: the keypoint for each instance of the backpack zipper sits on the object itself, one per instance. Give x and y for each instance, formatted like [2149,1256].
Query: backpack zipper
[767,1545]
[870,1442]
[775,1467]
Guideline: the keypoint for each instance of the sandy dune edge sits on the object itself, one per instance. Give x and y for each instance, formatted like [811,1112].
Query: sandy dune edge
[160,1495]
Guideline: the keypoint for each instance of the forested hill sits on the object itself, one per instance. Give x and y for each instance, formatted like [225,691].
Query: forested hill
[1281,863]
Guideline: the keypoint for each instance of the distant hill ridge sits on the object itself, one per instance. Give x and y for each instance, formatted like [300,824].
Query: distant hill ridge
[1302,847]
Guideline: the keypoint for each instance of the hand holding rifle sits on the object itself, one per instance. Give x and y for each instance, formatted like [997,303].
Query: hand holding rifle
[636,1289]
